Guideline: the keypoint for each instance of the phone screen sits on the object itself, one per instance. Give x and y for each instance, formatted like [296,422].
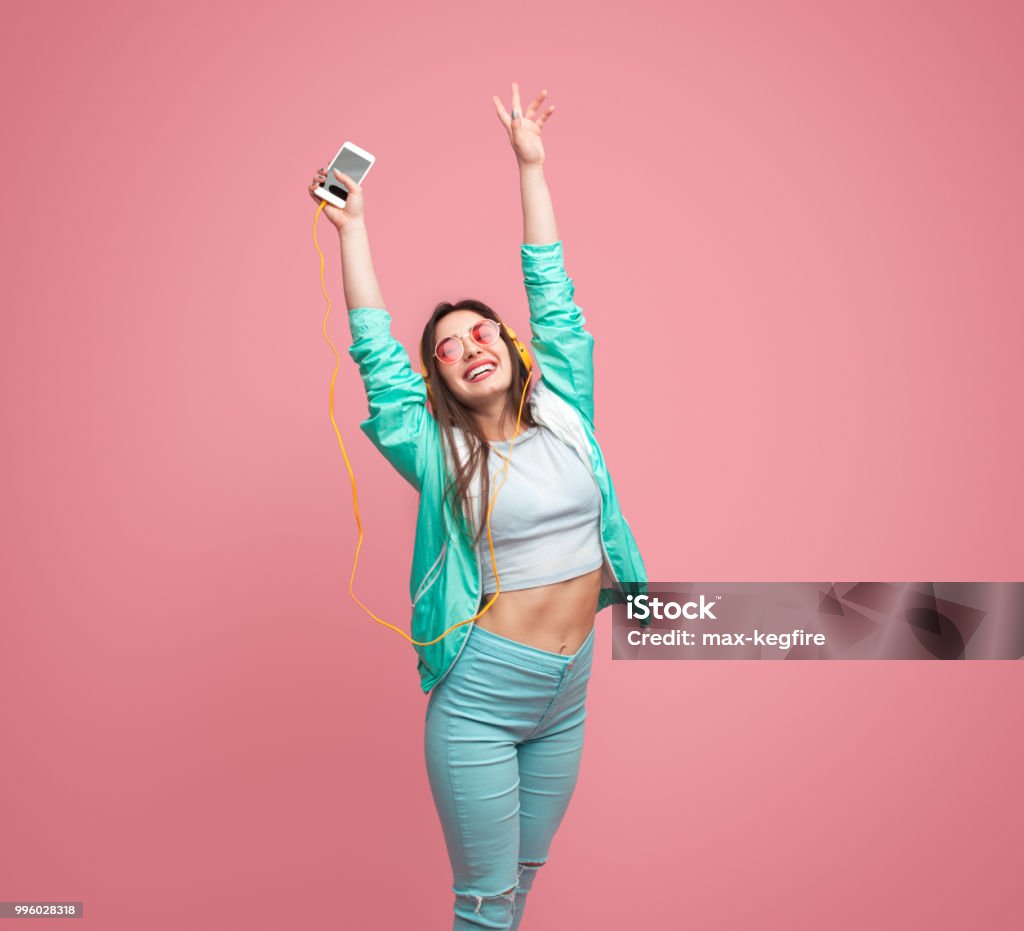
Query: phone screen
[348,163]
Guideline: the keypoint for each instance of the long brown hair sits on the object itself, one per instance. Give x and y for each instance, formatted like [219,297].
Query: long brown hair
[450,412]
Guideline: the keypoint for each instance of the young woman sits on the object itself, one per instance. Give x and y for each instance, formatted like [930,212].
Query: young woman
[505,718]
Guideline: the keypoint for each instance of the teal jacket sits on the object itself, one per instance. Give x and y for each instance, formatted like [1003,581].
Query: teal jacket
[445,585]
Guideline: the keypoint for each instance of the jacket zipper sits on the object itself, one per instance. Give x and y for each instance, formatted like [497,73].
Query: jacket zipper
[465,639]
[600,534]
[421,591]
[449,530]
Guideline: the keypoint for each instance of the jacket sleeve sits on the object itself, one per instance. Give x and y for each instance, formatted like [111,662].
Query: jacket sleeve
[560,343]
[399,424]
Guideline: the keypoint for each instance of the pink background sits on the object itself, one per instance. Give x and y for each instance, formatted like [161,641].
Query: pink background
[796,231]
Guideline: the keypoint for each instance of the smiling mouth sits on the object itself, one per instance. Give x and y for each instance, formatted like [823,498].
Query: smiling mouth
[481,371]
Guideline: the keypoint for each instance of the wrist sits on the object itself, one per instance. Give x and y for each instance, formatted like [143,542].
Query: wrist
[531,168]
[352,227]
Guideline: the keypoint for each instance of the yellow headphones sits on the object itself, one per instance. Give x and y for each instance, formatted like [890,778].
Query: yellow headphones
[524,357]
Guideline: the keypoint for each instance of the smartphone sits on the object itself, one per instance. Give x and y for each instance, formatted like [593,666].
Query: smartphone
[351,161]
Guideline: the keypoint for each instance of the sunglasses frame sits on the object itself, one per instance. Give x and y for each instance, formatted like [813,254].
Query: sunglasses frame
[462,345]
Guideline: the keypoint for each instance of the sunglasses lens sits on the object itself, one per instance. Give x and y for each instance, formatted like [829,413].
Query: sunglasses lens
[485,332]
[449,350]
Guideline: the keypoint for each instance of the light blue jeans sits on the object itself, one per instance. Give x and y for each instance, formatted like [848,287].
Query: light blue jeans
[503,740]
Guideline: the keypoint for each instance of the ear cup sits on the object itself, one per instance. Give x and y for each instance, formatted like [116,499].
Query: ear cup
[524,353]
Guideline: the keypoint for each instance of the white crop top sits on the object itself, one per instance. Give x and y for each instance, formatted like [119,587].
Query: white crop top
[546,521]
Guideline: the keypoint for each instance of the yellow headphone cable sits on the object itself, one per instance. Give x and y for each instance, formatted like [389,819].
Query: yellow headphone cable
[355,497]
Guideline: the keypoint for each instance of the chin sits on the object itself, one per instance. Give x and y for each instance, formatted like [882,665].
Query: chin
[479,399]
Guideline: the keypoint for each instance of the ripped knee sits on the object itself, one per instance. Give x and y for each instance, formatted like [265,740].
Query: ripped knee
[524,879]
[509,895]
[522,885]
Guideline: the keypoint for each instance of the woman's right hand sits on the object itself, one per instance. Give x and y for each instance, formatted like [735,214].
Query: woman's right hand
[353,211]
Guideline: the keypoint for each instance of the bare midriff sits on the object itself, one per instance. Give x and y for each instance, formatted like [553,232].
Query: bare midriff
[556,618]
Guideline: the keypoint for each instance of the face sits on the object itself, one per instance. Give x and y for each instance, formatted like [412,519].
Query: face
[484,390]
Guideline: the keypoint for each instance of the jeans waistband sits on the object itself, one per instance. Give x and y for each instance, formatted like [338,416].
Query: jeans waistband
[486,641]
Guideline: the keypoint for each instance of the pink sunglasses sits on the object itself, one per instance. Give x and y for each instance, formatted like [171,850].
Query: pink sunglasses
[450,349]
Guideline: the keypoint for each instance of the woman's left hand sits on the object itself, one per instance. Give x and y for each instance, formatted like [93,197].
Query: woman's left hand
[524,129]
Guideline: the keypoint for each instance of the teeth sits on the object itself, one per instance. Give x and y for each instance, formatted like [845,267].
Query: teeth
[487,366]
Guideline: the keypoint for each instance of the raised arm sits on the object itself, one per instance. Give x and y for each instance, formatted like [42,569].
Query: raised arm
[524,133]
[361,288]
[399,424]
[560,340]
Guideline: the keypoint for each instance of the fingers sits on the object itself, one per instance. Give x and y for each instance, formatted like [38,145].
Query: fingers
[315,183]
[506,121]
[321,176]
[531,113]
[517,113]
[347,181]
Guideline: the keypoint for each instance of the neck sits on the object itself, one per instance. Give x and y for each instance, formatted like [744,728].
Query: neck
[490,421]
